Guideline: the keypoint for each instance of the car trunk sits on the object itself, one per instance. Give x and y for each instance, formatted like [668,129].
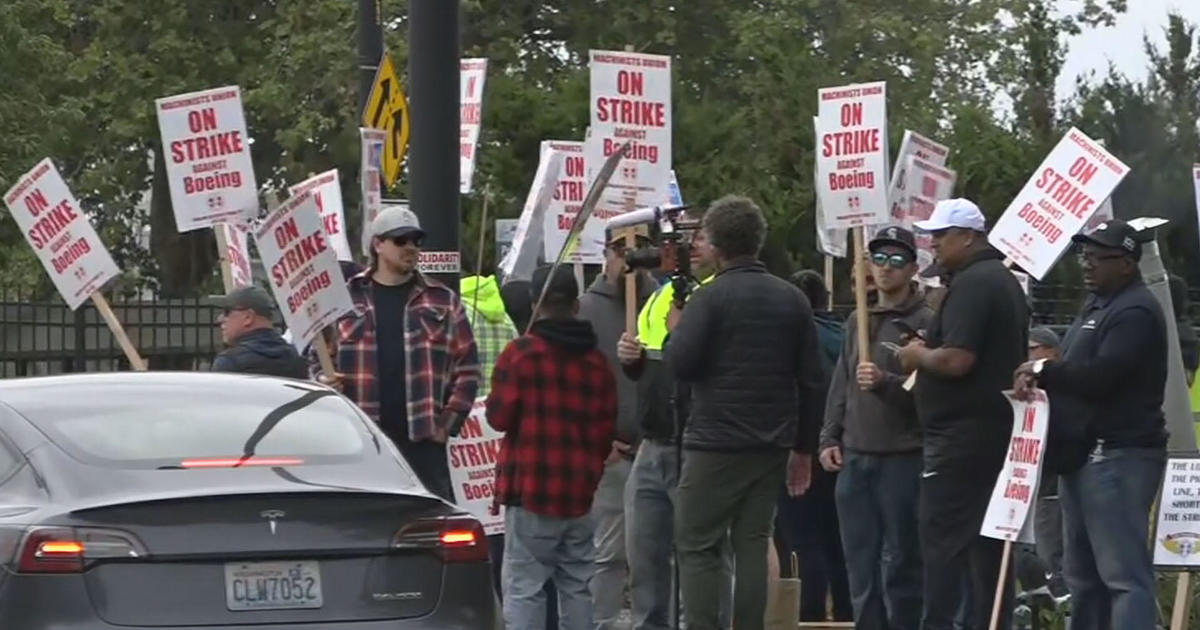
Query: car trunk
[265,558]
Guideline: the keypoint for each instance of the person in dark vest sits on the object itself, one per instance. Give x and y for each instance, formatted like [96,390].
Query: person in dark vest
[255,347]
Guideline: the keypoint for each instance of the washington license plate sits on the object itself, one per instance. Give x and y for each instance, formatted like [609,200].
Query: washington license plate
[272,585]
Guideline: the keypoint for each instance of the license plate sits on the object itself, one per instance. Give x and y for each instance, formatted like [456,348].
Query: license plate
[272,585]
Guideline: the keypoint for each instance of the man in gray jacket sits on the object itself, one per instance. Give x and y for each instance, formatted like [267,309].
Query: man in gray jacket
[872,435]
[603,305]
[747,344]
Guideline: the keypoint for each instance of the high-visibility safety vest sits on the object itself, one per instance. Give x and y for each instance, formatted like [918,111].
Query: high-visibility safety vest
[652,320]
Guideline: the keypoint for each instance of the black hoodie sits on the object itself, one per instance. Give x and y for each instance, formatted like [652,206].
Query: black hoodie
[262,351]
[573,335]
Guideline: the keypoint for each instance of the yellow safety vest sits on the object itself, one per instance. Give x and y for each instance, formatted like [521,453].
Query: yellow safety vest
[652,320]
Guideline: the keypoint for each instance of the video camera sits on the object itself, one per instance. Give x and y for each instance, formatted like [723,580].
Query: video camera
[671,251]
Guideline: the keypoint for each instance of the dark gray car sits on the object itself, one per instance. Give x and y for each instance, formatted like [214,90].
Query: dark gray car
[220,501]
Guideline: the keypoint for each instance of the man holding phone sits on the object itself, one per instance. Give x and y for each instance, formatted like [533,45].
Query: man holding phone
[871,434]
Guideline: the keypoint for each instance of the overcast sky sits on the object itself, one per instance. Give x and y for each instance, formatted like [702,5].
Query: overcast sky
[1121,44]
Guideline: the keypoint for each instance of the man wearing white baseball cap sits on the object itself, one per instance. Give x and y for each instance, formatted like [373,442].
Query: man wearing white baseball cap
[975,340]
[406,354]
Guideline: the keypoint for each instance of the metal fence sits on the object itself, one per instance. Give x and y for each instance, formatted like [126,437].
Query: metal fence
[45,337]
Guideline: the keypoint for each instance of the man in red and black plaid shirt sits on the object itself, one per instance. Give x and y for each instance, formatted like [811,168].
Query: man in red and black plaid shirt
[555,398]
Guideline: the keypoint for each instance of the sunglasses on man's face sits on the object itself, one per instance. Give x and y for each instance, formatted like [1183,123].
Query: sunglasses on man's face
[402,241]
[895,261]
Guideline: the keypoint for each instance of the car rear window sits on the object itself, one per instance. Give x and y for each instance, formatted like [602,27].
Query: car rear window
[303,428]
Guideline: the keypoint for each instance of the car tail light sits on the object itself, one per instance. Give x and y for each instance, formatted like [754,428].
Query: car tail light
[239,462]
[70,550]
[455,539]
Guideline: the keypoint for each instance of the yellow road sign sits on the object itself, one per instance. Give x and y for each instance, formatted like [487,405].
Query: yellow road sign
[387,109]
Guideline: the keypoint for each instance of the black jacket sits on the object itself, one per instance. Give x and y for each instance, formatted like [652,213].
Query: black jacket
[262,351]
[748,346]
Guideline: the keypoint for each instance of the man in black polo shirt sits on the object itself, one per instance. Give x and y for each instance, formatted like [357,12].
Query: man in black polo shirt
[977,335]
[1110,382]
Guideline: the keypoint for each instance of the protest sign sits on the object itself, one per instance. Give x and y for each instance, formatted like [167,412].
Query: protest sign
[928,183]
[1016,487]
[472,75]
[472,455]
[523,256]
[570,188]
[235,254]
[439,262]
[506,230]
[302,268]
[207,153]
[852,155]
[1061,196]
[1177,528]
[674,195]
[1196,187]
[370,165]
[58,231]
[914,145]
[831,242]
[327,190]
[630,106]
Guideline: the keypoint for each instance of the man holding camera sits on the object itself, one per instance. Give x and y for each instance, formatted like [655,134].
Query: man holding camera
[747,345]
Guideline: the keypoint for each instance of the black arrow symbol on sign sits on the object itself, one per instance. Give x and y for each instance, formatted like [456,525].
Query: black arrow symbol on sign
[386,86]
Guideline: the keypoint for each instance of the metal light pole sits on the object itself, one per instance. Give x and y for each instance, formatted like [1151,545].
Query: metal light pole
[370,46]
[433,162]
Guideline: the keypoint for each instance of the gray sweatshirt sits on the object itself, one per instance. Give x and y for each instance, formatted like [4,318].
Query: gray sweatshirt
[884,420]
[604,306]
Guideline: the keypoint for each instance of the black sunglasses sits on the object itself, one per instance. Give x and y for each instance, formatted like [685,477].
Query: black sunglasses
[895,261]
[401,241]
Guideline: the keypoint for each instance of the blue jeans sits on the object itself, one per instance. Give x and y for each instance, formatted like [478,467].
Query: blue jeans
[608,518]
[877,498]
[539,548]
[1106,522]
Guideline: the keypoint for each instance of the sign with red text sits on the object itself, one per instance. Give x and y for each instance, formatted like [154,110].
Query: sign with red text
[852,155]
[472,75]
[630,103]
[565,202]
[927,183]
[1064,192]
[472,454]
[439,262]
[58,231]
[302,268]
[327,190]
[207,153]
[522,257]
[830,242]
[370,170]
[237,252]
[916,146]
[1016,487]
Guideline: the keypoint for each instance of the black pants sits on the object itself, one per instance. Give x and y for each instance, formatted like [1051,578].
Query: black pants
[809,527]
[952,506]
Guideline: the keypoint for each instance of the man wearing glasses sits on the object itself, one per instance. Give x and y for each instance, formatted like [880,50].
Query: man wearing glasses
[979,332]
[406,354]
[1109,385]
[872,436]
[254,346]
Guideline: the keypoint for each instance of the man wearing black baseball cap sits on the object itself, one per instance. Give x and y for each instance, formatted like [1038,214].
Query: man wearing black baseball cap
[1107,395]
[255,347]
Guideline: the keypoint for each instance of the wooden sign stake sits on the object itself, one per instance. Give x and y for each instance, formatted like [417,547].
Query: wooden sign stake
[322,346]
[223,256]
[860,297]
[1183,602]
[829,277]
[135,360]
[998,601]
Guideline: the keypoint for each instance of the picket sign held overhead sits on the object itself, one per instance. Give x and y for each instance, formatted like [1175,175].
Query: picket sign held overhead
[852,155]
[303,272]
[914,145]
[472,76]
[1064,192]
[522,257]
[370,168]
[1103,213]
[207,153]
[63,239]
[472,454]
[830,242]
[570,187]
[327,191]
[631,107]
[233,248]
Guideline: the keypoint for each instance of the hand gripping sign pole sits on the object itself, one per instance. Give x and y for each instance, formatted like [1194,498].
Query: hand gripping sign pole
[65,242]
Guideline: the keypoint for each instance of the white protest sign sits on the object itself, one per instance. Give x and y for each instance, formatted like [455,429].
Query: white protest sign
[327,190]
[831,242]
[1061,196]
[565,203]
[917,146]
[927,184]
[207,153]
[630,103]
[302,268]
[1196,186]
[1177,528]
[852,155]
[1104,213]
[50,218]
[472,75]
[237,252]
[1016,487]
[674,195]
[439,262]
[506,231]
[527,242]
[472,455]
[370,182]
